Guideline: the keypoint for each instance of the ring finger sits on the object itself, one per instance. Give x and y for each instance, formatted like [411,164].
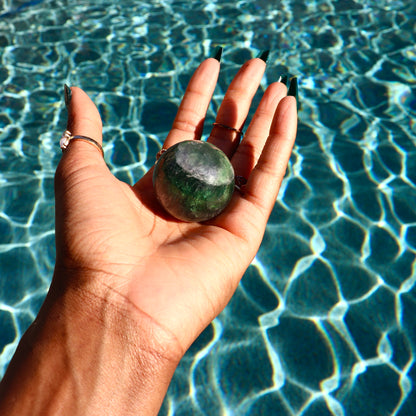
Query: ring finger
[250,148]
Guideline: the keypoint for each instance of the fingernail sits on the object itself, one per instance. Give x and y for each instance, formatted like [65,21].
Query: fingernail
[68,95]
[284,79]
[216,54]
[263,55]
[293,88]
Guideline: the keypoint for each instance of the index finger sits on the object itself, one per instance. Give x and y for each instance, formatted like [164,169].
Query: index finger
[188,123]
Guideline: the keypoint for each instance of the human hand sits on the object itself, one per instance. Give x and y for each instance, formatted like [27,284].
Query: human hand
[179,274]
[133,287]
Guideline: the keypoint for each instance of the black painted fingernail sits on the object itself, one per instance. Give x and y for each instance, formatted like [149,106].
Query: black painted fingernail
[216,54]
[263,55]
[293,88]
[68,95]
[284,79]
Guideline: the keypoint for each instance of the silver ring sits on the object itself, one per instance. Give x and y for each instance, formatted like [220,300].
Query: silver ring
[160,153]
[240,183]
[239,132]
[67,137]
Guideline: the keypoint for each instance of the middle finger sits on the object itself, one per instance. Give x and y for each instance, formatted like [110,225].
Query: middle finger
[236,104]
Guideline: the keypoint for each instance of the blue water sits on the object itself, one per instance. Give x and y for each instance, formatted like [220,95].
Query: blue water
[324,321]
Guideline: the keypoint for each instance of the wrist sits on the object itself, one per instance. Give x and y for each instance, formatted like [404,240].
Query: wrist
[89,350]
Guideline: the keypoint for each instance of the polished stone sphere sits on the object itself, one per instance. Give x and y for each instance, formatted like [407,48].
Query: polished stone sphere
[193,180]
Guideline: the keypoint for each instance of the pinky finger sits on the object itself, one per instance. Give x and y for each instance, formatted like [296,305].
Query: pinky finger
[266,177]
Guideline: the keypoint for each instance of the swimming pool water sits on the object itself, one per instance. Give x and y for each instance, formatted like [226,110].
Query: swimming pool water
[324,321]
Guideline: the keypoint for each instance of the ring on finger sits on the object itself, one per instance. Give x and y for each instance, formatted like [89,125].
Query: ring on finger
[240,182]
[239,132]
[67,137]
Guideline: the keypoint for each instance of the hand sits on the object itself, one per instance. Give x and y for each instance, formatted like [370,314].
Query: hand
[119,255]
[179,274]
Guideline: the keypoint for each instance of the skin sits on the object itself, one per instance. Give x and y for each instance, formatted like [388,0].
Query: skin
[132,286]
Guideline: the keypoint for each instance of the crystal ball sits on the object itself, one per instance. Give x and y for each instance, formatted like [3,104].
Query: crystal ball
[193,180]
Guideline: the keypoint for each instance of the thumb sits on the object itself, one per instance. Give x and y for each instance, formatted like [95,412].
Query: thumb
[82,163]
[81,177]
[83,120]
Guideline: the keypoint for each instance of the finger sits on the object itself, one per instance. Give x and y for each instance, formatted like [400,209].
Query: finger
[265,180]
[236,104]
[188,123]
[83,120]
[249,150]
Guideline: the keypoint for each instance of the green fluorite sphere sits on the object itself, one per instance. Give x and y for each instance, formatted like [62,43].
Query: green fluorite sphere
[193,180]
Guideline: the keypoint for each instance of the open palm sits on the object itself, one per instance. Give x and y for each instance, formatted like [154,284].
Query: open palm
[115,240]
